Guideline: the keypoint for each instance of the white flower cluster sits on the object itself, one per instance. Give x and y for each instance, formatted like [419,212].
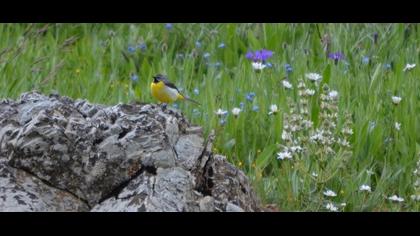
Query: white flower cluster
[333,208]
[298,128]
[416,173]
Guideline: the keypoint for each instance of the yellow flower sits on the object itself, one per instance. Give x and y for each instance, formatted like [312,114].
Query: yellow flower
[77,71]
[240,163]
[341,191]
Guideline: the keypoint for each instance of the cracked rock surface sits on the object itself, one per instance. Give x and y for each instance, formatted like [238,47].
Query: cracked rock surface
[59,154]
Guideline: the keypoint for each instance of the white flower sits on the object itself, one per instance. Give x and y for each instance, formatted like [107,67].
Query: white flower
[235,111]
[295,149]
[258,65]
[409,67]
[273,109]
[286,84]
[365,187]
[313,76]
[396,100]
[415,197]
[309,92]
[395,198]
[330,193]
[286,135]
[343,204]
[333,94]
[347,131]
[307,123]
[331,207]
[221,112]
[397,126]
[369,172]
[284,155]
[314,174]
[343,142]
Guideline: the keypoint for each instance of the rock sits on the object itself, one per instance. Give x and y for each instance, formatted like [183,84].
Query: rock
[230,207]
[77,156]
[20,191]
[206,204]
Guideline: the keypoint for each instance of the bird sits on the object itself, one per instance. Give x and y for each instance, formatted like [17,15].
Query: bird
[165,91]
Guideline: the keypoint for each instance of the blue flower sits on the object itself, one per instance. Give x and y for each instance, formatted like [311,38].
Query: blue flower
[222,121]
[222,45]
[217,64]
[241,105]
[168,26]
[206,55]
[198,44]
[142,46]
[131,49]
[387,66]
[134,77]
[269,65]
[175,105]
[336,56]
[365,60]
[250,96]
[196,91]
[288,68]
[261,55]
[255,108]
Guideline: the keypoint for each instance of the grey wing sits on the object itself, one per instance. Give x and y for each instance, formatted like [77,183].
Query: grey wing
[169,84]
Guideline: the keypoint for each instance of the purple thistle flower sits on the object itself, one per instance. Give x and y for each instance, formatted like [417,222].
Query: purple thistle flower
[336,56]
[249,55]
[259,55]
[265,54]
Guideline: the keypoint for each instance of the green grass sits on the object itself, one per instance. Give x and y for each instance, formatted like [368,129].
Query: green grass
[92,61]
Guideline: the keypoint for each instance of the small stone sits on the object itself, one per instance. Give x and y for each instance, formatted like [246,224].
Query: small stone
[233,208]
[207,204]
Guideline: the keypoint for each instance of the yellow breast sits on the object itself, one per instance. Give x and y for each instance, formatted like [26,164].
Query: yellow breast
[161,93]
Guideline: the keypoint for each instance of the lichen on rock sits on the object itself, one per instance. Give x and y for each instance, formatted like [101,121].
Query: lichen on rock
[127,157]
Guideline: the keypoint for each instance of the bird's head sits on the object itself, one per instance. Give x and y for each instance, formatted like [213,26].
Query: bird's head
[157,78]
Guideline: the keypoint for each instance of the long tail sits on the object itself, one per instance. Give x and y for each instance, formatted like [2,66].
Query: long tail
[188,99]
[193,101]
